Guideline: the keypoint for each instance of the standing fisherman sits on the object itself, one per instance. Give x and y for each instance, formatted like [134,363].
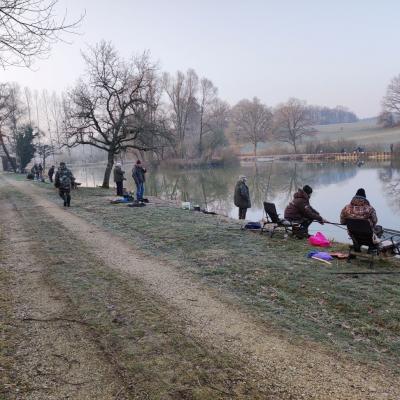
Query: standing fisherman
[51,173]
[64,181]
[119,179]
[40,169]
[242,197]
[139,178]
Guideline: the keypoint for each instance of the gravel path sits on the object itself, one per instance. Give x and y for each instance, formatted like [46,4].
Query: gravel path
[306,372]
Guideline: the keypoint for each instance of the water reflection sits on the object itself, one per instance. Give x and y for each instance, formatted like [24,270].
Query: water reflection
[334,184]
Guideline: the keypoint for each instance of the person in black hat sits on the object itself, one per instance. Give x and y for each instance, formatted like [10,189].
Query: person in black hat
[300,211]
[360,208]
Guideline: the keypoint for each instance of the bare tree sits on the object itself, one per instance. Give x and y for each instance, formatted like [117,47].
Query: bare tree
[181,91]
[6,111]
[17,112]
[44,151]
[208,96]
[386,119]
[214,115]
[293,122]
[105,109]
[391,102]
[252,121]
[28,28]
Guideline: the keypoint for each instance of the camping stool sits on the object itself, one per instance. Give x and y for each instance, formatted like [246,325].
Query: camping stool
[362,234]
[272,217]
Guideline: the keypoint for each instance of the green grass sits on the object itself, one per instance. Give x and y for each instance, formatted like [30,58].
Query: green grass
[271,278]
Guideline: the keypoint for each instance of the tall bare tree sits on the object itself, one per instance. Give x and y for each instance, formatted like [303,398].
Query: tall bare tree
[391,102]
[208,97]
[6,112]
[106,107]
[28,29]
[213,118]
[181,91]
[252,121]
[292,122]
[17,112]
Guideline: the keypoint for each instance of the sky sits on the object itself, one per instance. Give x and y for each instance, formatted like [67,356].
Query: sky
[325,52]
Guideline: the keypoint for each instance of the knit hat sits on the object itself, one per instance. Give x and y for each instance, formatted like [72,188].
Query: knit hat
[138,162]
[361,193]
[307,189]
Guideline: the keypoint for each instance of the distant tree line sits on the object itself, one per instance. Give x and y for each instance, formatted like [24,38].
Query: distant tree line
[29,125]
[337,115]
[123,106]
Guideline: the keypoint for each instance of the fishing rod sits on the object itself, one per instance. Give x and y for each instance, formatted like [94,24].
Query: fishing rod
[269,180]
[341,226]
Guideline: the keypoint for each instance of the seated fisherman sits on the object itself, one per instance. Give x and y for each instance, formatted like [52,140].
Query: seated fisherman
[359,208]
[300,211]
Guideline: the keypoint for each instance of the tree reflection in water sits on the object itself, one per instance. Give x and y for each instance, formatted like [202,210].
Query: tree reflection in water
[390,177]
[213,188]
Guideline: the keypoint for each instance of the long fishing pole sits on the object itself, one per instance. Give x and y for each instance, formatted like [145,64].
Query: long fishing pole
[269,180]
[341,226]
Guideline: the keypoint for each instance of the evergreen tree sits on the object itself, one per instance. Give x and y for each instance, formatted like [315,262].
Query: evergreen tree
[25,149]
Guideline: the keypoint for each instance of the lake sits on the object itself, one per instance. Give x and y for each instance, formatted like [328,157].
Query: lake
[334,185]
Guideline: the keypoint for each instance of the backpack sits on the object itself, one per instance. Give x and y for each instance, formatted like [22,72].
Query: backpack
[65,180]
[252,225]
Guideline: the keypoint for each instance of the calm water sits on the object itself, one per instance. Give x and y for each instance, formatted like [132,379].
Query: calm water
[334,185]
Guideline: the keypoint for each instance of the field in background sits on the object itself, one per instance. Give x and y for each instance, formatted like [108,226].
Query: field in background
[364,132]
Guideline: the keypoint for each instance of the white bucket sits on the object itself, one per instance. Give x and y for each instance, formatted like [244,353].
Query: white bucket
[186,205]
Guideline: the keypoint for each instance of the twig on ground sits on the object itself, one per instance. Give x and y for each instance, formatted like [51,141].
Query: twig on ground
[56,319]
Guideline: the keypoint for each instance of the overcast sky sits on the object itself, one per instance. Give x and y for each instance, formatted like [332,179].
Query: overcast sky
[327,53]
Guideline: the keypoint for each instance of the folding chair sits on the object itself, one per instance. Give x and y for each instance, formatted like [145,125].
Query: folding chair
[272,218]
[362,234]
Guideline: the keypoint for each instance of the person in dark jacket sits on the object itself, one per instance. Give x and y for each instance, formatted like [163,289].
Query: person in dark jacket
[40,169]
[300,211]
[119,179]
[50,173]
[242,197]
[138,175]
[359,208]
[64,181]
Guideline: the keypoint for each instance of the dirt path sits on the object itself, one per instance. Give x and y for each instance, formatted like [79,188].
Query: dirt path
[54,358]
[303,372]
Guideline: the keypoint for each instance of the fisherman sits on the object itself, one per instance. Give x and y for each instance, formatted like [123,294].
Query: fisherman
[119,179]
[360,208]
[300,211]
[50,173]
[242,197]
[35,171]
[64,181]
[40,171]
[138,175]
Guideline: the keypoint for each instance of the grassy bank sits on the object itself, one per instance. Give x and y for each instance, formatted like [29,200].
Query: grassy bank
[139,335]
[271,278]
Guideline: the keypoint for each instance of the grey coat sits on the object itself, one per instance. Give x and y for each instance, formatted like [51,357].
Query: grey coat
[242,195]
[118,174]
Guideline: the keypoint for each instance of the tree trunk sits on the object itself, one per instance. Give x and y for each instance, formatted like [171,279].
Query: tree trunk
[201,135]
[255,149]
[201,145]
[295,147]
[9,158]
[107,173]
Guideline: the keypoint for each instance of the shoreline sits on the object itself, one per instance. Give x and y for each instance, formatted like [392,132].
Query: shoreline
[245,265]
